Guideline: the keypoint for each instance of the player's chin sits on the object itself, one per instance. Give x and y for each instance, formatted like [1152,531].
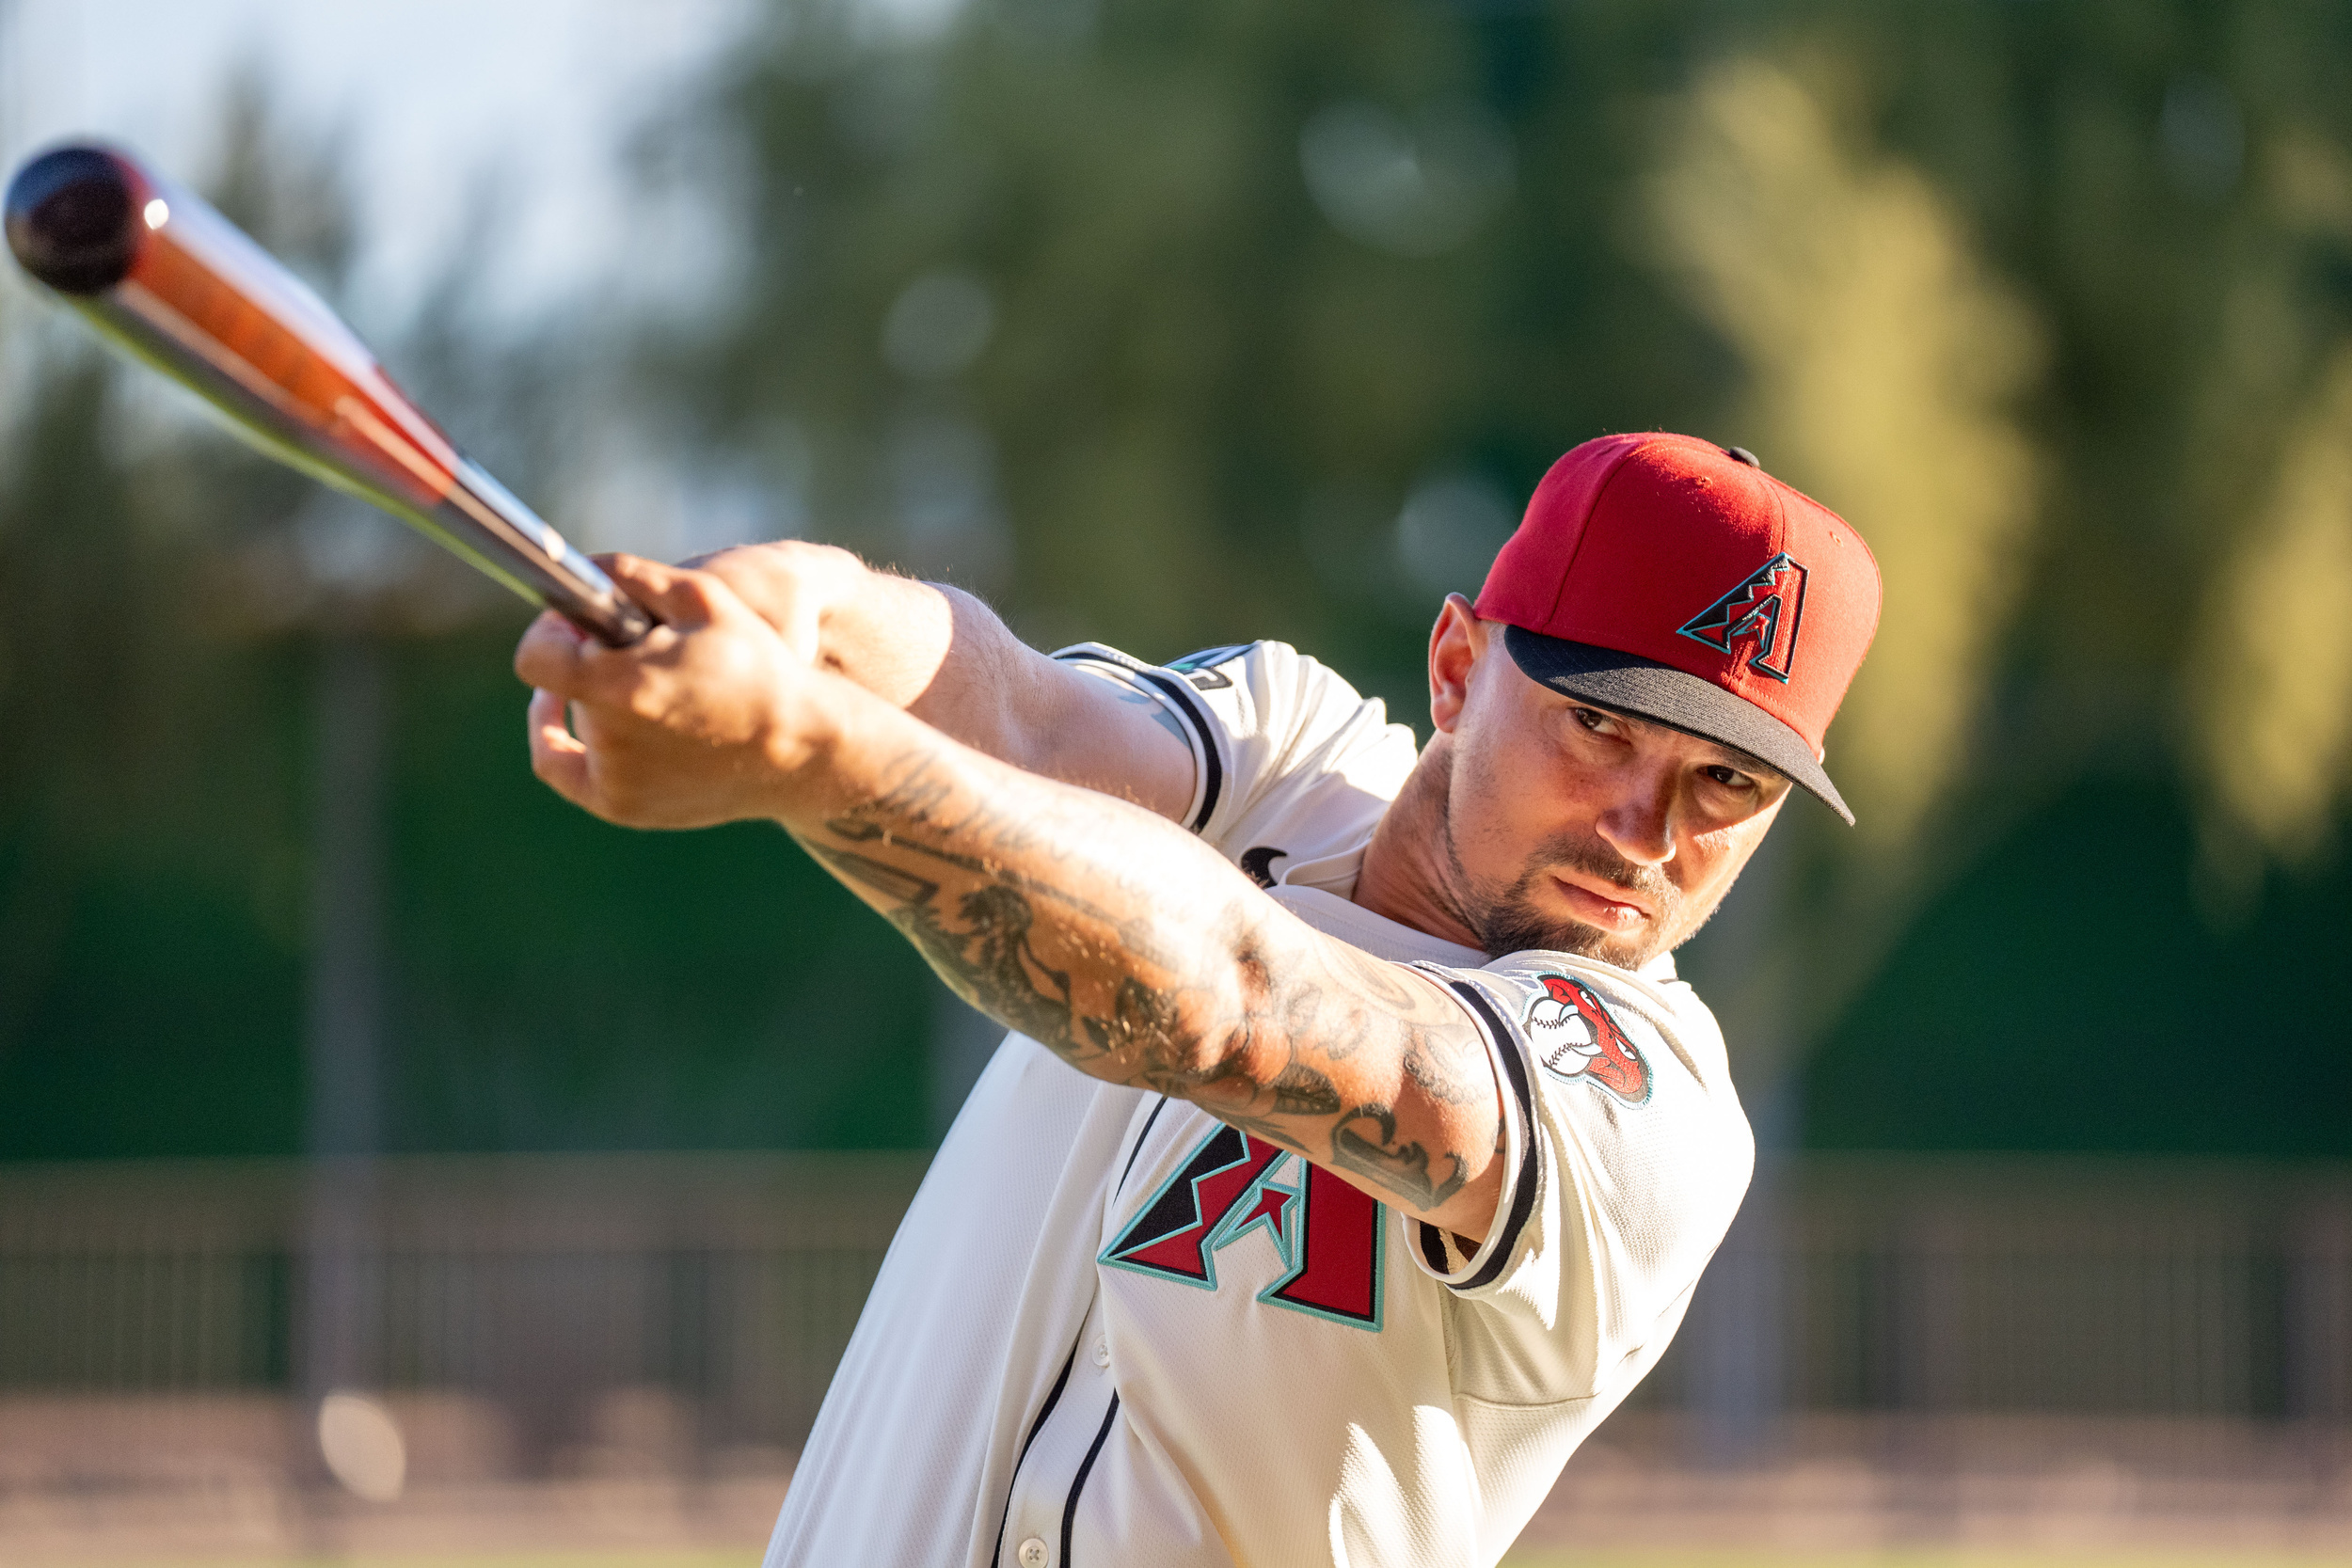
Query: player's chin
[1520,927]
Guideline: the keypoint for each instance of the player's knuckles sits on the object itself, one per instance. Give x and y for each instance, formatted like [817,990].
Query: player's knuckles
[755,572]
[610,678]
[650,699]
[682,596]
[776,581]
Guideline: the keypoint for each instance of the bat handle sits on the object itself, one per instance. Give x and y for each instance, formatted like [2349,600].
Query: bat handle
[603,610]
[547,564]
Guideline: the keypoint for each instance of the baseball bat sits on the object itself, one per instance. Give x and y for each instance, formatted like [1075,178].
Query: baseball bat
[172,283]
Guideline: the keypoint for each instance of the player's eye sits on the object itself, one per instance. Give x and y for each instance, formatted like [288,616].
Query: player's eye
[1730,778]
[1592,718]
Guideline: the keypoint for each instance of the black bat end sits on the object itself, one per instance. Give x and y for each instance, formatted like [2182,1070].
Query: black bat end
[74,220]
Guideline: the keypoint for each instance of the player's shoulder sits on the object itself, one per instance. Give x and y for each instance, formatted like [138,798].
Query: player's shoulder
[1268,674]
[1292,760]
[1284,708]
[1271,688]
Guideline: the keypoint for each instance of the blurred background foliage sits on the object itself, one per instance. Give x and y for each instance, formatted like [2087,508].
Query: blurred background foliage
[1182,323]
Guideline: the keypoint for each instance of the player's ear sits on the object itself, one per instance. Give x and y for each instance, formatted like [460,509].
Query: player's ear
[1456,645]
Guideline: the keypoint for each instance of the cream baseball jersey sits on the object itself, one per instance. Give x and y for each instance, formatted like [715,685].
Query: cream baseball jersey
[1113,1331]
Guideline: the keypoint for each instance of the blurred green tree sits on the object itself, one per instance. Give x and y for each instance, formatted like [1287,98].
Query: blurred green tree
[1152,318]
[1178,325]
[1187,324]
[532,978]
[149,819]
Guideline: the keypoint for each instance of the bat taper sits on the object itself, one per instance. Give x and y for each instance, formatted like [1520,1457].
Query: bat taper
[174,283]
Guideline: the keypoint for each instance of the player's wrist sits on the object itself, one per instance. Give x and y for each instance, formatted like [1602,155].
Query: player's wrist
[809,758]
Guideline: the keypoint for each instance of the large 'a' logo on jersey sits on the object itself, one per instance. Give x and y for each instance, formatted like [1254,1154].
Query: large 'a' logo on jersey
[1327,1233]
[1769,605]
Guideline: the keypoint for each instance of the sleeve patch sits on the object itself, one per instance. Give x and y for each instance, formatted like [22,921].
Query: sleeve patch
[1575,1038]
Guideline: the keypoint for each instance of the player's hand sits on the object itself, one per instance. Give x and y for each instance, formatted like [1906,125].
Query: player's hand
[708,719]
[791,584]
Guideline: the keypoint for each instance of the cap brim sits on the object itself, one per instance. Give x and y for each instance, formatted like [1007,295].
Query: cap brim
[1671,697]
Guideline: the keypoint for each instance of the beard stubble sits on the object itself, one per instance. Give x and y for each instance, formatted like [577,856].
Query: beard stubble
[1506,919]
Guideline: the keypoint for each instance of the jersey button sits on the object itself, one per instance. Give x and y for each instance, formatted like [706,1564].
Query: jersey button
[1033,1553]
[1102,1353]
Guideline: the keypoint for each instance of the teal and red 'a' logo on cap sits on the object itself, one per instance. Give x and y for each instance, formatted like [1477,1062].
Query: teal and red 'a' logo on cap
[1667,547]
[1768,608]
[1675,580]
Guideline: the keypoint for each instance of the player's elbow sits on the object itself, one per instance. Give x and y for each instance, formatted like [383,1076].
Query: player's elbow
[1223,1040]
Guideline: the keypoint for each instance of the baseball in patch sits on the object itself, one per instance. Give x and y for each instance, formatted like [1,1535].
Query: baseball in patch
[1575,1037]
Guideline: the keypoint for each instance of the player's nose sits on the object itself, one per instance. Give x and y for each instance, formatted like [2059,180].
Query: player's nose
[1638,822]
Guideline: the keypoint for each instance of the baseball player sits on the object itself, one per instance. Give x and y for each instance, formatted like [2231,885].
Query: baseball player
[1355,1150]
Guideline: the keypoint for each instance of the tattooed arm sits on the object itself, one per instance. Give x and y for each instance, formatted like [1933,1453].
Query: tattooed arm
[1128,947]
[943,656]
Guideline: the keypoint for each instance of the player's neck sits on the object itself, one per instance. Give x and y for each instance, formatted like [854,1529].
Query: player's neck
[1402,879]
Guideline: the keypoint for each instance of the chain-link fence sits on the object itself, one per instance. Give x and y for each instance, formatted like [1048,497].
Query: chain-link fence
[1991,1285]
[534,1320]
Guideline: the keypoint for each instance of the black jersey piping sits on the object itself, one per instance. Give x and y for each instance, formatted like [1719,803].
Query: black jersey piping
[1180,694]
[1523,1191]
[1176,691]
[1036,1426]
[1078,1485]
[1129,1168]
[1433,1248]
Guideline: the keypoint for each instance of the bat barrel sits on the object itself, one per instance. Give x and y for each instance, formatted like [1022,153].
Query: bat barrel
[76,218]
[174,284]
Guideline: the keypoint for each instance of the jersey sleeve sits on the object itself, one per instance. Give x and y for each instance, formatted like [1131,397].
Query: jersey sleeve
[1626,1156]
[1273,735]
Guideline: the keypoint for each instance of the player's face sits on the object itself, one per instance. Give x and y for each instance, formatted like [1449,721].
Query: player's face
[1577,829]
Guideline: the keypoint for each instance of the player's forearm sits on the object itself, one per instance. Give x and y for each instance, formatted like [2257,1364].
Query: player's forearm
[1112,936]
[1087,924]
[1140,957]
[935,651]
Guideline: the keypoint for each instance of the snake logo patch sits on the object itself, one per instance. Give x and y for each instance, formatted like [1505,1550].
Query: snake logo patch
[1575,1037]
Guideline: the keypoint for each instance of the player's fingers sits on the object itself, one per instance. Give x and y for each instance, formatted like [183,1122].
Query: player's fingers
[685,599]
[548,657]
[556,656]
[557,757]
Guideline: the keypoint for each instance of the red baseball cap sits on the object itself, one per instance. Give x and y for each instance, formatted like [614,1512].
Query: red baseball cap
[1672,579]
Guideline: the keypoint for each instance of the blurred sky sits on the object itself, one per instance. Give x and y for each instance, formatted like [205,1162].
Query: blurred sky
[435,95]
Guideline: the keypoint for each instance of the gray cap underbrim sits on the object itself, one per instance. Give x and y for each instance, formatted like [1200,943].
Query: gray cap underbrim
[1671,697]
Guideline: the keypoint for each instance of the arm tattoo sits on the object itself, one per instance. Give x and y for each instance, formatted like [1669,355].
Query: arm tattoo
[1301,1091]
[1403,1169]
[991,965]
[1159,713]
[1436,1060]
[1210,1001]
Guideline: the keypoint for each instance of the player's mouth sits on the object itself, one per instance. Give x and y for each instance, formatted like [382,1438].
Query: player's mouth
[1603,904]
